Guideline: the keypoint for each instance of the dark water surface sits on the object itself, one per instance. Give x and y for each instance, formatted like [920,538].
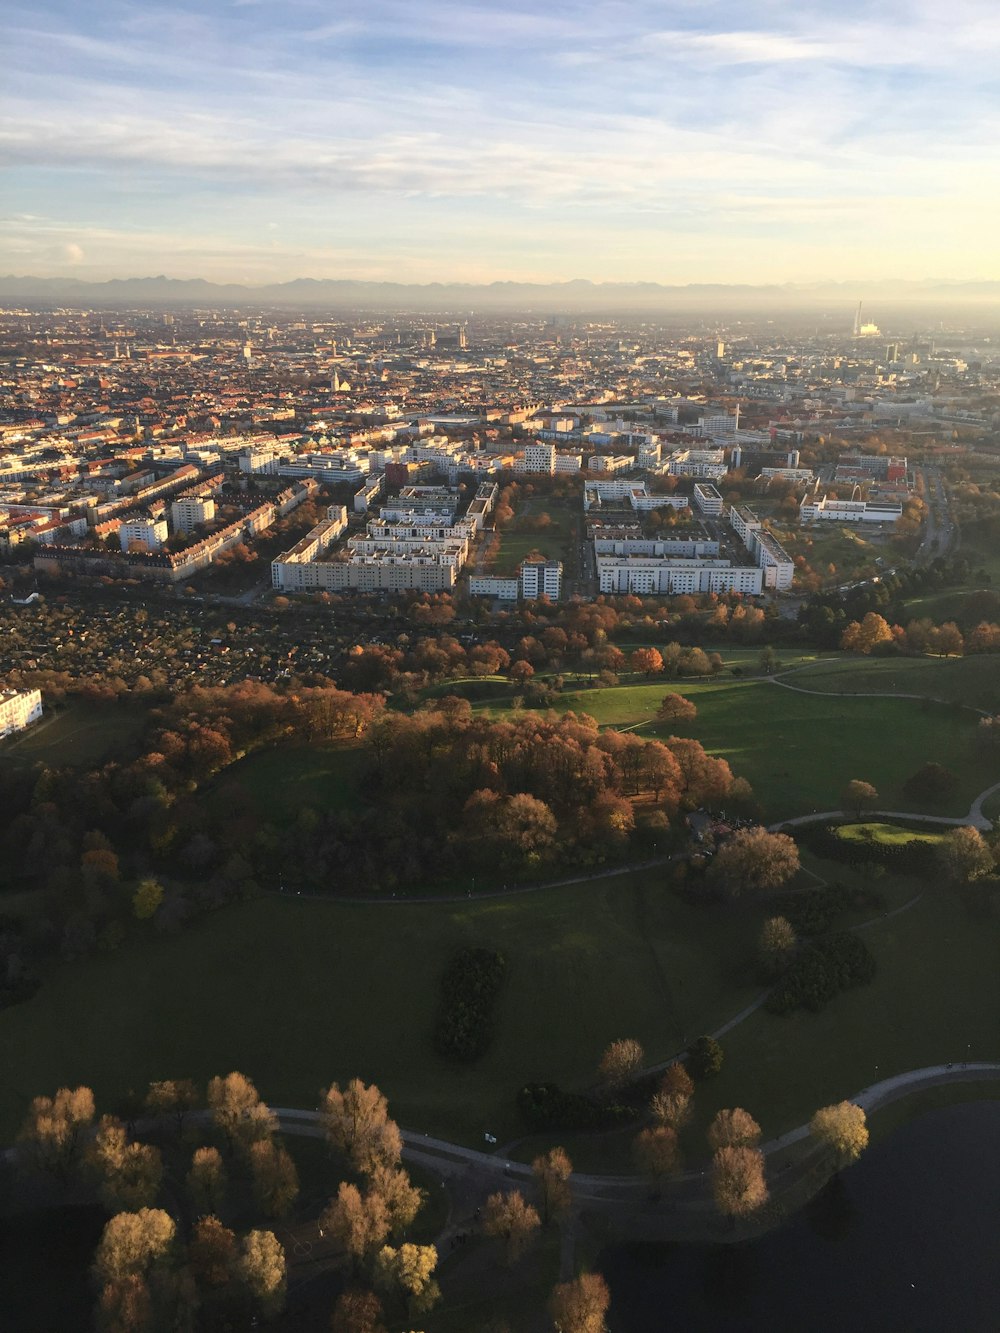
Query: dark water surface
[907,1239]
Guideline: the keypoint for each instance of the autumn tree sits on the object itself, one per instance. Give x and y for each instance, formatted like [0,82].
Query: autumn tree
[552,1172]
[356,1123]
[238,1111]
[656,1151]
[964,855]
[132,1243]
[620,1063]
[212,1253]
[738,1183]
[841,1127]
[51,1137]
[776,944]
[125,1305]
[409,1271]
[275,1179]
[147,898]
[357,1311]
[676,1079]
[358,1224]
[866,635]
[754,861]
[646,661]
[508,1217]
[172,1096]
[206,1181]
[260,1266]
[676,708]
[580,1306]
[858,796]
[403,1200]
[672,1109]
[733,1129]
[128,1175]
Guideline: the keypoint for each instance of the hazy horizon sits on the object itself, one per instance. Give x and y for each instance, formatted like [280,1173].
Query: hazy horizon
[456,142]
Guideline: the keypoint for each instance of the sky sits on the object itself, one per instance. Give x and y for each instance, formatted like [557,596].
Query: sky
[436,140]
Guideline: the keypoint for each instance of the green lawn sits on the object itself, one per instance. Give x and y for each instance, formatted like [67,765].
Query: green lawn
[935,999]
[79,734]
[890,834]
[800,750]
[297,992]
[967,680]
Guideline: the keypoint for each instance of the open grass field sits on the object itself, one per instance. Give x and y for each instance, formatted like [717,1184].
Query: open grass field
[966,680]
[554,543]
[935,999]
[78,734]
[290,778]
[298,992]
[799,751]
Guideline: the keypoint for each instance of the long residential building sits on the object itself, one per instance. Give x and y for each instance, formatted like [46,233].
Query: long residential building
[18,709]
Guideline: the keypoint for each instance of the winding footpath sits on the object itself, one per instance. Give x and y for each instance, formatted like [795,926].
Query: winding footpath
[483,1172]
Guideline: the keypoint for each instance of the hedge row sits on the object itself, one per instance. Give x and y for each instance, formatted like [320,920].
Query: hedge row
[469,988]
[823,969]
[545,1106]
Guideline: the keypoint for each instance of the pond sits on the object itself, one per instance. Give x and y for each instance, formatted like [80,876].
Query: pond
[907,1239]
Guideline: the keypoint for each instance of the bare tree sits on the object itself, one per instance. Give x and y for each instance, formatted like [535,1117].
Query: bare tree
[621,1061]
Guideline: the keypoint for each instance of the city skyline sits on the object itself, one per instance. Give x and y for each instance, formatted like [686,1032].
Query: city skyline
[469,143]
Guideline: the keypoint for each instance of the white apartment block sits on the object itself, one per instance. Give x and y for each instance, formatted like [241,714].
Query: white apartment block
[648,576]
[541,578]
[803,474]
[709,463]
[681,547]
[18,709]
[146,534]
[488,585]
[708,499]
[815,508]
[771,556]
[774,560]
[540,457]
[610,463]
[636,493]
[190,512]
[568,463]
[745,524]
[297,569]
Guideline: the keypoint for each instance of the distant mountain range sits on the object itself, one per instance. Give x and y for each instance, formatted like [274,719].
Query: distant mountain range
[578,296]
